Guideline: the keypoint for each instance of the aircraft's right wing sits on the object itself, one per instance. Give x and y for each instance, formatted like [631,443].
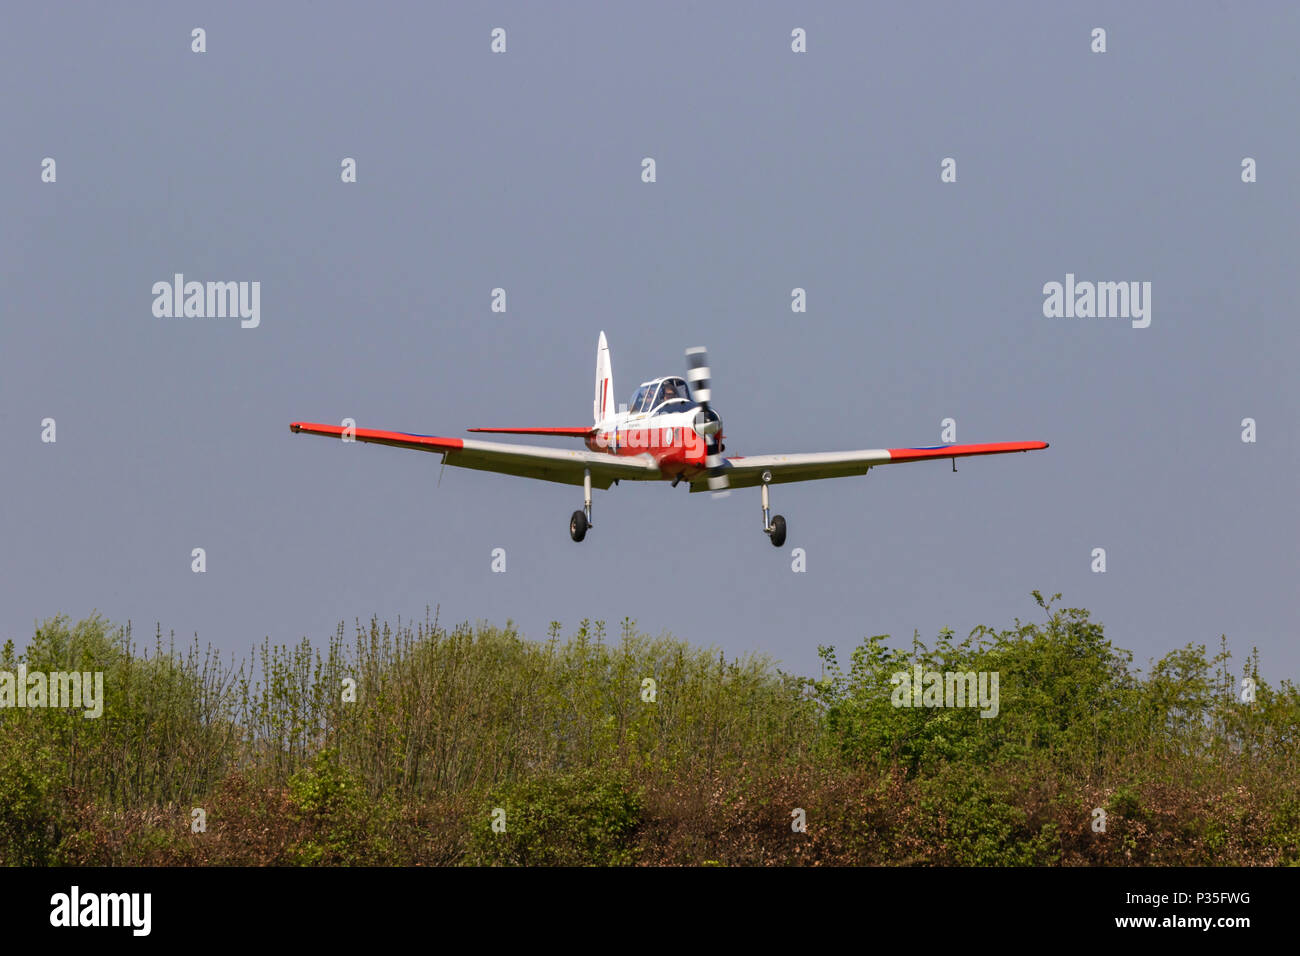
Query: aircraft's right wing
[748,471]
[527,461]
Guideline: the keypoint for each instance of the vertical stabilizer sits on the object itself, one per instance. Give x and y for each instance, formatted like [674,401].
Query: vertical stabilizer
[602,407]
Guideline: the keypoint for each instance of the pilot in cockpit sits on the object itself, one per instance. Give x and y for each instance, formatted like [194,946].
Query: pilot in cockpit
[669,393]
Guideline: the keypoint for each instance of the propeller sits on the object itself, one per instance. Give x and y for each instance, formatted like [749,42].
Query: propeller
[707,422]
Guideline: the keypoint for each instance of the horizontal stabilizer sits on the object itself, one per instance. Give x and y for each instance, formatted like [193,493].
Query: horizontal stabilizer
[585,431]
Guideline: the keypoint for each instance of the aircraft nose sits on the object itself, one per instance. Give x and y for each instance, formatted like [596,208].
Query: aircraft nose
[707,422]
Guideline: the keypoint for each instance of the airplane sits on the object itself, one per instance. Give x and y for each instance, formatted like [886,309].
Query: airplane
[669,431]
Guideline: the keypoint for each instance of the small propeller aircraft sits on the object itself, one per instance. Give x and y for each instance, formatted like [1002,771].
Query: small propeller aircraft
[668,432]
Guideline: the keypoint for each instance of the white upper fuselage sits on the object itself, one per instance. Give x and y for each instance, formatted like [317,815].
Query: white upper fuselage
[660,420]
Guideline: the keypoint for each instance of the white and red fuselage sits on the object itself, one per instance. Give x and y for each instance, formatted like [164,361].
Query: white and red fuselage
[671,431]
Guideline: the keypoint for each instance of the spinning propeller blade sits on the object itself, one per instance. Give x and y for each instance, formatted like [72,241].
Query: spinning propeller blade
[707,423]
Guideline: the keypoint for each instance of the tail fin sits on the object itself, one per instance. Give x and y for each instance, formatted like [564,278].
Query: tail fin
[602,407]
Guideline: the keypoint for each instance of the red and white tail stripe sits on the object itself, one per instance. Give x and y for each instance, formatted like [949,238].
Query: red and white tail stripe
[602,407]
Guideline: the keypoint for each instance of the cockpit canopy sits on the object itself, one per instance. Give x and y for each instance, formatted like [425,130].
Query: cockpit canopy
[663,395]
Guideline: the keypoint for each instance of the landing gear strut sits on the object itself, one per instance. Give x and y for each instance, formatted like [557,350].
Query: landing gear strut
[774,528]
[581,520]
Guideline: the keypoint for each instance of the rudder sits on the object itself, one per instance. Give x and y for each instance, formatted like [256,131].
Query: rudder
[602,406]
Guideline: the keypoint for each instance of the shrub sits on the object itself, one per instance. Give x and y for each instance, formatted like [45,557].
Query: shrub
[586,818]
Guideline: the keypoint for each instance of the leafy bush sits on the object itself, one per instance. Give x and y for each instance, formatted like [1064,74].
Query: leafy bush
[976,819]
[339,818]
[394,748]
[587,818]
[33,810]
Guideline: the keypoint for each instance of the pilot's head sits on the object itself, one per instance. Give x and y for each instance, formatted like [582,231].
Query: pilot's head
[669,391]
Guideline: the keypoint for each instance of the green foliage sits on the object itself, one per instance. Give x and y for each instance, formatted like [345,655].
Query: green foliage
[339,819]
[165,732]
[975,819]
[32,805]
[586,818]
[445,723]
[1060,685]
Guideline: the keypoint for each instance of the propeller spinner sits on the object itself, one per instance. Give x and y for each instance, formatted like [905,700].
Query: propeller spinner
[707,423]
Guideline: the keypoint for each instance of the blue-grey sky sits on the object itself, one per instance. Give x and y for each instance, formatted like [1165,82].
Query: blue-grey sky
[775,170]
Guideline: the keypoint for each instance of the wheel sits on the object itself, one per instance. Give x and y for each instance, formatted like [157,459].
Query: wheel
[578,526]
[778,531]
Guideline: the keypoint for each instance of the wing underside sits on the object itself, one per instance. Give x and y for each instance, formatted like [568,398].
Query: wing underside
[748,471]
[567,466]
[562,465]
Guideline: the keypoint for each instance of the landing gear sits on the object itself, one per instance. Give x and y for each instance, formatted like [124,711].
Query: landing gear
[774,528]
[581,520]
[777,531]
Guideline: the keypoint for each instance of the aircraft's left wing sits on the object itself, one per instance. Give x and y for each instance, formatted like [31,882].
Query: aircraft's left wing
[563,465]
[748,471]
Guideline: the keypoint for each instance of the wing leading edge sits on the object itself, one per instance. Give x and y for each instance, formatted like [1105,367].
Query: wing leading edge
[748,471]
[562,465]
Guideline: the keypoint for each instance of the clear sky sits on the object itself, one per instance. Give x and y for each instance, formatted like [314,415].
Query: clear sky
[775,170]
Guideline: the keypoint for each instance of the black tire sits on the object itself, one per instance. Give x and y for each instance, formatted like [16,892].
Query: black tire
[578,526]
[778,531]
